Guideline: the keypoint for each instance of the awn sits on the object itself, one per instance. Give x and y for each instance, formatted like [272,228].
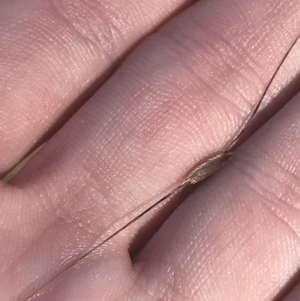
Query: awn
[200,173]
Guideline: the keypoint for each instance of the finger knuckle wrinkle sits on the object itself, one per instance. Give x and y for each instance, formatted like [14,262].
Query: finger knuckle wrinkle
[277,186]
[96,22]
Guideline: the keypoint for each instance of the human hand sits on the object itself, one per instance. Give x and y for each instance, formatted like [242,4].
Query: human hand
[181,95]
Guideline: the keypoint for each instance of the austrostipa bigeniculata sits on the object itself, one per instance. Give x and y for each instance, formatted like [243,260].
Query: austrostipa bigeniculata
[200,173]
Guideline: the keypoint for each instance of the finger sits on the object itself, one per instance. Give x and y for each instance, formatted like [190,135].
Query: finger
[238,235]
[54,54]
[136,138]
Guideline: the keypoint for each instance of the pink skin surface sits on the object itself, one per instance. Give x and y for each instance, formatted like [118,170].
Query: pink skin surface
[134,94]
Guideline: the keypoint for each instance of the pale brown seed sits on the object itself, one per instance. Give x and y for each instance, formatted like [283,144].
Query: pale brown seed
[208,168]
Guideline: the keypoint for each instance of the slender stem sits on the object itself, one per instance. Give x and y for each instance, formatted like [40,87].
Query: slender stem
[255,109]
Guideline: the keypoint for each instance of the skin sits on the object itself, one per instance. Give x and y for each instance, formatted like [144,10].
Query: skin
[179,97]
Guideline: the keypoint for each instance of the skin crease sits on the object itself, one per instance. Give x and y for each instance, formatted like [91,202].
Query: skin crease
[179,97]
